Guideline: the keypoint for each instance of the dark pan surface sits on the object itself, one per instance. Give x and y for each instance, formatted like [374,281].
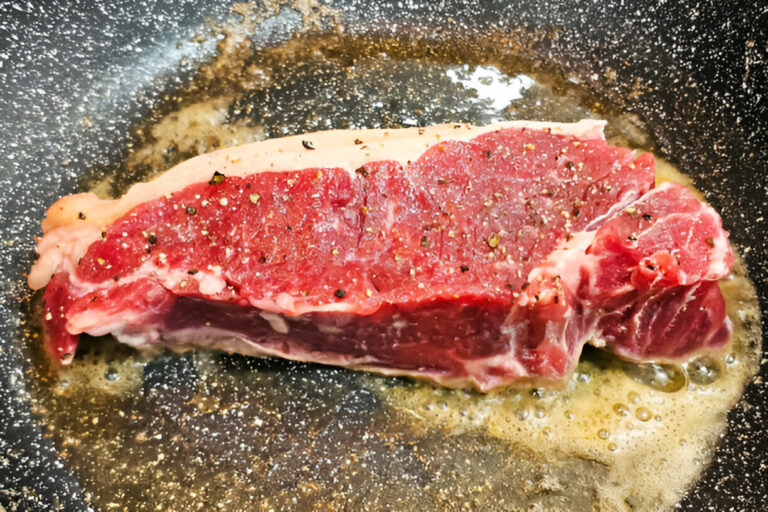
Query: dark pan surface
[695,74]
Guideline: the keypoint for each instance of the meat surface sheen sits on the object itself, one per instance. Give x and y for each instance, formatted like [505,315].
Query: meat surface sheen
[483,260]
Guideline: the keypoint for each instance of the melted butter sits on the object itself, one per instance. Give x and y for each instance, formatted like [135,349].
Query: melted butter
[192,130]
[665,171]
[206,430]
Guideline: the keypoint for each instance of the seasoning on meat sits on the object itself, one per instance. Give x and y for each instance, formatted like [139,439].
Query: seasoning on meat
[363,258]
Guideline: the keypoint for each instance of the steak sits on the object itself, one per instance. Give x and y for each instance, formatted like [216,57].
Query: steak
[469,256]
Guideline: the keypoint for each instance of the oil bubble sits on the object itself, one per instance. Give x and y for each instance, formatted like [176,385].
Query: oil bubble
[621,409]
[661,377]
[643,414]
[704,370]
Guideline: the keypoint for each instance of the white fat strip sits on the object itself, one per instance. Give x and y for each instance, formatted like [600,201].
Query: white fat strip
[296,307]
[566,262]
[330,329]
[146,339]
[285,302]
[97,322]
[390,216]
[209,283]
[276,322]
[722,257]
[334,149]
[60,251]
[626,199]
[506,361]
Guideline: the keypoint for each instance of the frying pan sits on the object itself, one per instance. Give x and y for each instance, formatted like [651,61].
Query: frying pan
[693,72]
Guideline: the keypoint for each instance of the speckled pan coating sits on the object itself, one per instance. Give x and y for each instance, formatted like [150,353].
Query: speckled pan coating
[695,72]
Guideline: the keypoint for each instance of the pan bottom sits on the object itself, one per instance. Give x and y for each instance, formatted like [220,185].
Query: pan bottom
[204,429]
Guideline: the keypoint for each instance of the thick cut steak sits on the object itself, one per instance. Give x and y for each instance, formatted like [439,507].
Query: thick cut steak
[480,256]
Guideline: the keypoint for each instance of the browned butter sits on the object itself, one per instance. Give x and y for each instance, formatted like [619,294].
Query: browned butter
[210,431]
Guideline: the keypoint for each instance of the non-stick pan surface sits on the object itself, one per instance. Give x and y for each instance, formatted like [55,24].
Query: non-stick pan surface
[694,72]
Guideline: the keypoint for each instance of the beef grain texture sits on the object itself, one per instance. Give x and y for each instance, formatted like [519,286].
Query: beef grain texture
[482,262]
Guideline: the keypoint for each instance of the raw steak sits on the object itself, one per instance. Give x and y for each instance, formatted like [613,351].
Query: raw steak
[470,256]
